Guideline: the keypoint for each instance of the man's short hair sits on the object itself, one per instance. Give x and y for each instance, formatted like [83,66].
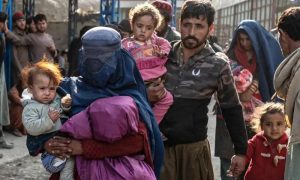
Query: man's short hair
[39,17]
[289,22]
[198,8]
[3,17]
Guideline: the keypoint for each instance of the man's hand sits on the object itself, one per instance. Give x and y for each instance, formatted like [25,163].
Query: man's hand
[156,91]
[246,96]
[237,166]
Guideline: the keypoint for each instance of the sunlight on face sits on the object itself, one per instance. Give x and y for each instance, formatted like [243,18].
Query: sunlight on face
[43,90]
[143,28]
[274,126]
[245,41]
[194,32]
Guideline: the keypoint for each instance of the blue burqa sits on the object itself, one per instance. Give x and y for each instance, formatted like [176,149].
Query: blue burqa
[268,54]
[109,70]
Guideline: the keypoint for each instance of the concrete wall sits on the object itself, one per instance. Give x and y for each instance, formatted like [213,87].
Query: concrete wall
[59,32]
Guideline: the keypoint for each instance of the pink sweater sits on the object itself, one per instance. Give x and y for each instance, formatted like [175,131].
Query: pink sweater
[150,65]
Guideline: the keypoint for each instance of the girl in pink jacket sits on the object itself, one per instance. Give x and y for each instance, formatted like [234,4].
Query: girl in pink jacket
[149,51]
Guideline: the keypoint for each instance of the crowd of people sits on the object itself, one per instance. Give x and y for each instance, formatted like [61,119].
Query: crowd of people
[131,101]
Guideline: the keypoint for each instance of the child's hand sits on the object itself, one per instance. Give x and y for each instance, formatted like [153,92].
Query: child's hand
[53,114]
[157,52]
[66,101]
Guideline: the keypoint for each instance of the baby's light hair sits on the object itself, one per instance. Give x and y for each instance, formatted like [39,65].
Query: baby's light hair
[44,67]
[262,111]
[143,10]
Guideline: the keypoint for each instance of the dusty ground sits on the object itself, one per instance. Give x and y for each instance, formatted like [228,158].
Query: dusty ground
[28,168]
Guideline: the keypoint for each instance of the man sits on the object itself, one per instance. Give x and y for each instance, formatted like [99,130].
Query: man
[125,28]
[4,116]
[165,30]
[20,53]
[195,73]
[20,59]
[40,43]
[286,82]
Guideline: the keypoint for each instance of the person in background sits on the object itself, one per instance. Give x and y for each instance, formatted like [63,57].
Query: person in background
[165,30]
[213,41]
[4,115]
[20,53]
[73,53]
[194,73]
[40,43]
[16,126]
[125,28]
[115,27]
[286,83]
[255,49]
[30,25]
[149,51]
[267,149]
[63,62]
[20,59]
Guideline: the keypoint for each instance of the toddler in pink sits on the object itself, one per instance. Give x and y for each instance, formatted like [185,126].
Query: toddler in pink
[243,78]
[149,51]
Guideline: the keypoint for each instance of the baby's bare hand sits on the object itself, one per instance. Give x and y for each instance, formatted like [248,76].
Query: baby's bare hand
[66,101]
[156,51]
[53,114]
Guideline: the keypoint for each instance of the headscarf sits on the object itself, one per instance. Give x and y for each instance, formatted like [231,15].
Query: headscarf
[267,52]
[108,70]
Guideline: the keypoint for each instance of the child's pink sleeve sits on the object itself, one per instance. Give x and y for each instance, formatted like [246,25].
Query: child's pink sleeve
[163,44]
[125,43]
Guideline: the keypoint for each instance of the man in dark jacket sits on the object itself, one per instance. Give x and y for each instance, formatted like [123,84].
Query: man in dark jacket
[165,30]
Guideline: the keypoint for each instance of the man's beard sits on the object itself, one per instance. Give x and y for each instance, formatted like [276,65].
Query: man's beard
[21,28]
[40,30]
[192,45]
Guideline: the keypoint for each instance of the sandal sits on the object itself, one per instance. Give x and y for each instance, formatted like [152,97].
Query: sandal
[16,132]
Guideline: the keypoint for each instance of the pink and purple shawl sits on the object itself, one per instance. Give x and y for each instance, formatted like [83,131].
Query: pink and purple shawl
[108,120]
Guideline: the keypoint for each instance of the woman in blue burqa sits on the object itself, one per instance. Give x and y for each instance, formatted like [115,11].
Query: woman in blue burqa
[108,70]
[255,49]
